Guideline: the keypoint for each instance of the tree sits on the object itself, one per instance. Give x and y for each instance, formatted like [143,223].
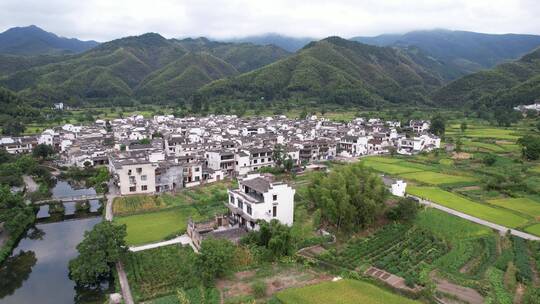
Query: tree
[215,259]
[405,210]
[13,128]
[274,236]
[100,249]
[489,159]
[43,151]
[277,155]
[349,197]
[530,147]
[437,125]
[288,164]
[538,125]
[463,127]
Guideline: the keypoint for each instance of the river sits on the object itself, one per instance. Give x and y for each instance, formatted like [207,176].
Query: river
[37,270]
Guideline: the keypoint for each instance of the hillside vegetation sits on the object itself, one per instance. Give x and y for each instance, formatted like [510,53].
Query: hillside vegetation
[461,52]
[133,67]
[508,84]
[336,70]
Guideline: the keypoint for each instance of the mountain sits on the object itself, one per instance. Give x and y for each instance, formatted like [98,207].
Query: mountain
[147,66]
[462,52]
[291,44]
[508,84]
[184,76]
[243,56]
[32,40]
[335,70]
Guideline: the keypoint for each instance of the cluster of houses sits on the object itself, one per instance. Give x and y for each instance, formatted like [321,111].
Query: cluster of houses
[146,156]
[167,153]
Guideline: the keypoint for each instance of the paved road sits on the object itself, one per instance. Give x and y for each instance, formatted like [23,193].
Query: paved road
[491,225]
[31,185]
[183,239]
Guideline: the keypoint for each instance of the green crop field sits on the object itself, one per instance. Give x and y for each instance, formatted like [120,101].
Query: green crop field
[524,205]
[158,272]
[397,248]
[435,178]
[342,292]
[449,227]
[388,165]
[482,146]
[155,226]
[534,229]
[459,203]
[496,133]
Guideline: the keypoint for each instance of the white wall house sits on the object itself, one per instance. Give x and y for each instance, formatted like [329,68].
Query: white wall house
[134,176]
[259,198]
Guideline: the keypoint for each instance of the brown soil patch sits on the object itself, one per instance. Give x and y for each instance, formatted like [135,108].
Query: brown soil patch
[240,284]
[465,294]
[461,155]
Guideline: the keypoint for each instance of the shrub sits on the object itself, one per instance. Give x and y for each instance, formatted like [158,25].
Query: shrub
[259,289]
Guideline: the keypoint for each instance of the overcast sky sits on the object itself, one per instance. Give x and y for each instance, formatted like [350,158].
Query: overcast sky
[104,20]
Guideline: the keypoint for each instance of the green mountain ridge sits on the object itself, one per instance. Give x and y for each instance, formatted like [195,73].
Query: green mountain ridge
[336,70]
[119,68]
[508,84]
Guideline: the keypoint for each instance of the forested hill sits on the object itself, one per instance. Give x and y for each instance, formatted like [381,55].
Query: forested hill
[142,67]
[340,71]
[461,52]
[32,40]
[507,85]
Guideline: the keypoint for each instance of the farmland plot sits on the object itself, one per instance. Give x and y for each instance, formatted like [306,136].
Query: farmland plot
[343,292]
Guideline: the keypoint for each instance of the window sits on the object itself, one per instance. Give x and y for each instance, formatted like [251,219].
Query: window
[144,177]
[274,197]
[240,204]
[232,199]
[197,178]
[144,187]
[255,161]
[132,189]
[274,211]
[248,209]
[269,159]
[132,179]
[197,169]
[139,170]
[129,172]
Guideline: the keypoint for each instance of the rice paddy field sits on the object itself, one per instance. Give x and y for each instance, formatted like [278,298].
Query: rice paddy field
[435,178]
[533,229]
[523,205]
[462,204]
[342,292]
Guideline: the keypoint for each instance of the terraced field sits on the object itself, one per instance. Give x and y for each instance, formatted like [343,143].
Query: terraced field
[397,248]
[459,203]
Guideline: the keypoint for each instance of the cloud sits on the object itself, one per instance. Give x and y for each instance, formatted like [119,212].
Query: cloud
[105,20]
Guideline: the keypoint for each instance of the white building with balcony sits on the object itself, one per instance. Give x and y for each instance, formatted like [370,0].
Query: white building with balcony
[260,198]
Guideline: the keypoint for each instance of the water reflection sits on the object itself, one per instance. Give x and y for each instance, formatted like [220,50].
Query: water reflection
[65,189]
[15,270]
[46,279]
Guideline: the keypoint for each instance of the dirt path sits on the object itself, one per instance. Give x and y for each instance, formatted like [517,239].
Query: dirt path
[31,185]
[520,290]
[463,293]
[124,285]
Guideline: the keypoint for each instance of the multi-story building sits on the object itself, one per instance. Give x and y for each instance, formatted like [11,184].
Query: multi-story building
[260,198]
